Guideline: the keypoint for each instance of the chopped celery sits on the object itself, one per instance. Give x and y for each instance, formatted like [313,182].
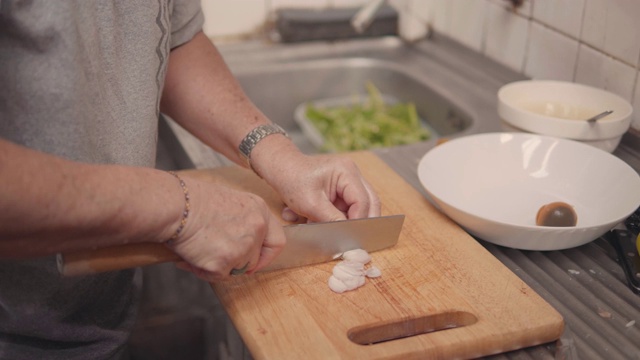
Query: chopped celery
[368,124]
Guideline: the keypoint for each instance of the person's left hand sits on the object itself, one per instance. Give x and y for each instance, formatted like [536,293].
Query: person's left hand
[322,188]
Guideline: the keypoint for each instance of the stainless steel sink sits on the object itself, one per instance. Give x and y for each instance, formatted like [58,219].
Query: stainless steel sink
[451,96]
[277,89]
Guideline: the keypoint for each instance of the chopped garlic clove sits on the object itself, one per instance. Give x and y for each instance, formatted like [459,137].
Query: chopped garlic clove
[373,272]
[354,282]
[336,285]
[350,273]
[357,255]
[353,266]
[344,271]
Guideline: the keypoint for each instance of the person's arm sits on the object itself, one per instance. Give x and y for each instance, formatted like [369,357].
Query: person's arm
[50,205]
[204,97]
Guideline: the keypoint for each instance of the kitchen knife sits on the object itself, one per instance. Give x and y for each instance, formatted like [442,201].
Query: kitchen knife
[306,244]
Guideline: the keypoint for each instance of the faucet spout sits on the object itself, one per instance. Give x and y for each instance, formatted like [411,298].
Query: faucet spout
[363,18]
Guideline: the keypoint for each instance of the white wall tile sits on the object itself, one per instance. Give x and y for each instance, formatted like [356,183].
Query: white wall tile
[593,28]
[612,26]
[622,31]
[506,36]
[563,15]
[591,67]
[604,72]
[233,17]
[438,13]
[550,55]
[423,10]
[524,10]
[467,22]
[620,78]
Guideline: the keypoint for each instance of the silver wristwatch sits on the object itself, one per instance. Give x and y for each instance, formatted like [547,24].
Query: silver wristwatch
[254,136]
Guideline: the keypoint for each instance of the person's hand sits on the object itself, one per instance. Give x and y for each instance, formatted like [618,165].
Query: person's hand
[226,229]
[323,188]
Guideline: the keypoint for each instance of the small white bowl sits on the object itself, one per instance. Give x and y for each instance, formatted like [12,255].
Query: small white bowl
[494,184]
[560,109]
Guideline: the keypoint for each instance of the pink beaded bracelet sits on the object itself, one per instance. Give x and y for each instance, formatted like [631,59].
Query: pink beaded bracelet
[187,208]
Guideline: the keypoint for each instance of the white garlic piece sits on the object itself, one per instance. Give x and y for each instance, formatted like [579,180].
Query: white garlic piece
[373,272]
[348,269]
[354,282]
[337,285]
[357,255]
[350,273]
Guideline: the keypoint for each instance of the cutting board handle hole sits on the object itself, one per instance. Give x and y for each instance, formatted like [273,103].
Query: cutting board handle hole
[391,330]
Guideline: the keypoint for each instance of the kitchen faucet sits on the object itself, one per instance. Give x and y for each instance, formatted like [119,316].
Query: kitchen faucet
[410,27]
[364,17]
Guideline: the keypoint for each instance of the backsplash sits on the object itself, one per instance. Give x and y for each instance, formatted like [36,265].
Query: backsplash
[593,42]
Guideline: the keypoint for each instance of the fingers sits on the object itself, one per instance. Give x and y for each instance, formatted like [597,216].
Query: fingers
[267,246]
[289,215]
[327,188]
[240,271]
[374,200]
[327,211]
[271,246]
[354,195]
[227,232]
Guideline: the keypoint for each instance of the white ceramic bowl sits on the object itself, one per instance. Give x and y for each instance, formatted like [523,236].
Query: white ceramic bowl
[559,108]
[494,184]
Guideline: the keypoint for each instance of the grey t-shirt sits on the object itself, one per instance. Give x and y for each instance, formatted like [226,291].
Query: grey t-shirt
[82,80]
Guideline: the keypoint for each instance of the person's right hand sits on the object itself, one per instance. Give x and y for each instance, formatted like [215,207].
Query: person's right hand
[226,229]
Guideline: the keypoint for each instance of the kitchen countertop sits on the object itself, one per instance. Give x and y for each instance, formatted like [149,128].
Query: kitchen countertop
[585,284]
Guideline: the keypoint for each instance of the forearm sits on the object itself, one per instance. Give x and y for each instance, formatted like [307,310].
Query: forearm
[203,96]
[50,205]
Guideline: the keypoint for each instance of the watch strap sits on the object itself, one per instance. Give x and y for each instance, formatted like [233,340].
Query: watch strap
[255,136]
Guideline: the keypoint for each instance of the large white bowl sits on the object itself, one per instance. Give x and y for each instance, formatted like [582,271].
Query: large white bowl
[559,108]
[494,184]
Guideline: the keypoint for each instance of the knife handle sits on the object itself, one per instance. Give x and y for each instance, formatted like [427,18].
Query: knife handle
[113,258]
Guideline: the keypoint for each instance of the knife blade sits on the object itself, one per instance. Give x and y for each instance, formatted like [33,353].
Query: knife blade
[321,242]
[307,244]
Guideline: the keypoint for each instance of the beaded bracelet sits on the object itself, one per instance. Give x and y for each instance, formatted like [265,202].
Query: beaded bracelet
[187,208]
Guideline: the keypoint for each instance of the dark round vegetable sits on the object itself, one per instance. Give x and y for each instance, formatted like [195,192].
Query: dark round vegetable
[557,214]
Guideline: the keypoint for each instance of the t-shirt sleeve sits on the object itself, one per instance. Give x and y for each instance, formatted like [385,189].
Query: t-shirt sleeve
[186,21]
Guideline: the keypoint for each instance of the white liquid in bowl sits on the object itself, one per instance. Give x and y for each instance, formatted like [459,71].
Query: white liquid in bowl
[561,110]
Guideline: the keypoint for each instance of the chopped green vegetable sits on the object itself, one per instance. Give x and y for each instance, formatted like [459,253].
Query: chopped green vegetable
[368,124]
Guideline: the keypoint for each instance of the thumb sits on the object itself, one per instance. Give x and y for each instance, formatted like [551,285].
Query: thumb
[326,211]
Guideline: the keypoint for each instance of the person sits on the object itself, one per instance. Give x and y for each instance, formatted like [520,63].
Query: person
[83,84]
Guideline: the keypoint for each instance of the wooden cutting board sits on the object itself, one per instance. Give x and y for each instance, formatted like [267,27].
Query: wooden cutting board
[436,278]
